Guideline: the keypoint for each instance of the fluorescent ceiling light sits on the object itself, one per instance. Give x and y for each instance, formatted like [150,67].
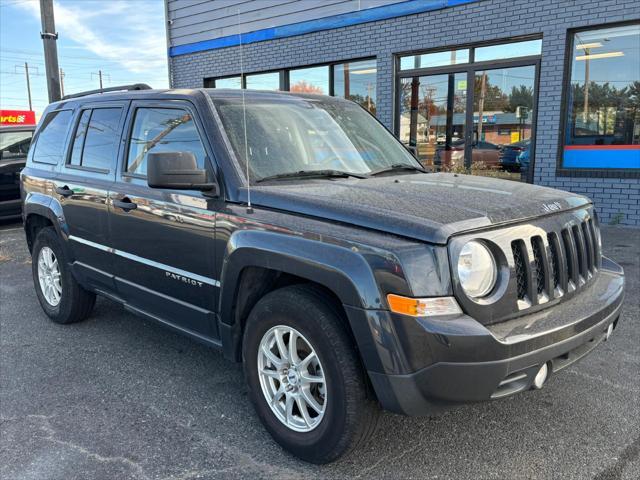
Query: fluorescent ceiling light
[584,46]
[600,55]
[362,72]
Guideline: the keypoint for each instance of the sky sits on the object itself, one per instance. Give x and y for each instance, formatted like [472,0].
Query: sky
[125,39]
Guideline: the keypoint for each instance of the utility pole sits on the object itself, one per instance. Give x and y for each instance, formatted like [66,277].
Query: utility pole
[49,39]
[101,76]
[62,82]
[26,71]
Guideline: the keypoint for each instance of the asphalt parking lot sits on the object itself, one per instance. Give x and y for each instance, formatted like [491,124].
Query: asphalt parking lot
[117,397]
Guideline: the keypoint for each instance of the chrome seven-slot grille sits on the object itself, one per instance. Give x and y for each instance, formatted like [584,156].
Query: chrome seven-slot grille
[570,261]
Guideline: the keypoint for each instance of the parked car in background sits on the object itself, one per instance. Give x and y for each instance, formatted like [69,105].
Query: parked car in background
[14,145]
[483,152]
[509,155]
[300,237]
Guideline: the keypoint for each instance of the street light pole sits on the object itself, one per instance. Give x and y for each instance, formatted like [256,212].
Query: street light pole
[49,39]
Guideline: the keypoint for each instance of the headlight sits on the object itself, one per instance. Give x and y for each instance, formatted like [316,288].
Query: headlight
[477,269]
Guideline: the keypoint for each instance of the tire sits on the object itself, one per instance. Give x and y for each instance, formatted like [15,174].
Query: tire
[350,415]
[74,302]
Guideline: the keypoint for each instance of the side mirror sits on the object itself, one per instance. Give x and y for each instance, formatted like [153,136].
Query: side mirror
[177,171]
[413,150]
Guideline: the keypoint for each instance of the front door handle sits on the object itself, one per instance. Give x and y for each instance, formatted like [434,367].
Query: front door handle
[64,191]
[125,204]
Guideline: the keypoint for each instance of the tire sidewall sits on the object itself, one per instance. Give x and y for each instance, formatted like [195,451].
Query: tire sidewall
[330,431]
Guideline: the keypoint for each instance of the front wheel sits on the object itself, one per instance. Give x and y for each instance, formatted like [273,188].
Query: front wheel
[304,376]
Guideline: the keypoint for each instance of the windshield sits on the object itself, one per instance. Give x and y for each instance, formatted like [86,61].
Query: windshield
[302,135]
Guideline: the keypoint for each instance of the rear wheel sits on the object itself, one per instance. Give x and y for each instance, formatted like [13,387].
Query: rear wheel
[304,375]
[60,296]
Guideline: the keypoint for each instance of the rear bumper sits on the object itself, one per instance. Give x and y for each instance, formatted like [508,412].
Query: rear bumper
[420,366]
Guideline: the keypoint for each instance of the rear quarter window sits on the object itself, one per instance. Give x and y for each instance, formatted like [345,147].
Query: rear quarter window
[49,146]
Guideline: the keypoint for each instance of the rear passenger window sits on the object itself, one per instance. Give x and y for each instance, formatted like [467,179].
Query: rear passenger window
[95,143]
[162,130]
[53,132]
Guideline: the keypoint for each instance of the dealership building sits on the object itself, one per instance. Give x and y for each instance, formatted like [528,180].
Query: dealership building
[544,91]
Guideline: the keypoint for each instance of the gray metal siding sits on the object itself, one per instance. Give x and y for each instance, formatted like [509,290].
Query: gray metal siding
[196,20]
[476,22]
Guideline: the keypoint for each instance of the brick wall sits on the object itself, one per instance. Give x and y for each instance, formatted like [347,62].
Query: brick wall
[616,199]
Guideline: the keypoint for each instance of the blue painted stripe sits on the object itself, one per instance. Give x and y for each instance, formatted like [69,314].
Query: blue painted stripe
[609,159]
[408,7]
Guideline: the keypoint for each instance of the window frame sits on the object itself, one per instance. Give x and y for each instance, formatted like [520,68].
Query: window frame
[76,124]
[209,82]
[561,171]
[124,175]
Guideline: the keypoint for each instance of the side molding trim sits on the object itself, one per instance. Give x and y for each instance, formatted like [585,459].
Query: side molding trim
[146,261]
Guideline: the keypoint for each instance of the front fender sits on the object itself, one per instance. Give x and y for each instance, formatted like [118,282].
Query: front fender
[342,270]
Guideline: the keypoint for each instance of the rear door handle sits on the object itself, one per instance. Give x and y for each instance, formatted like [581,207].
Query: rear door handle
[125,204]
[64,191]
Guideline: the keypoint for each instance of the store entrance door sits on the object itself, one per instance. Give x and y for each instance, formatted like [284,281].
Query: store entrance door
[433,119]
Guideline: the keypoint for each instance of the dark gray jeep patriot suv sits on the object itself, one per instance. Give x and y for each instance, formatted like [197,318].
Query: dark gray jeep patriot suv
[300,237]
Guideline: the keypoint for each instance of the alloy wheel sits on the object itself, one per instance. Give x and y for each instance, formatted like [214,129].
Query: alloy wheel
[292,378]
[49,276]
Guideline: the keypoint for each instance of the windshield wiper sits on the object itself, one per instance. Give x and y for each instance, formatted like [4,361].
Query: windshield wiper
[312,173]
[397,167]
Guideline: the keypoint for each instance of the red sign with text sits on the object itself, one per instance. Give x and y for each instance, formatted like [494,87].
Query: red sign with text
[17,117]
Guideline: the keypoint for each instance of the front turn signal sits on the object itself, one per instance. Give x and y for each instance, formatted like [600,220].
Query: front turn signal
[423,307]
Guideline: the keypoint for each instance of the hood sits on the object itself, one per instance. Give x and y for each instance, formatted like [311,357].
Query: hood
[429,207]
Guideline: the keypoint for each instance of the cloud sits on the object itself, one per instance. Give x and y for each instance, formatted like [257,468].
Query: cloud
[128,33]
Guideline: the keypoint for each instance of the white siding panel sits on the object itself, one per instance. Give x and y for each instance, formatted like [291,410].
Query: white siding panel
[198,20]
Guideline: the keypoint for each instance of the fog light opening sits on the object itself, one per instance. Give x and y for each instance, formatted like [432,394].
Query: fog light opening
[609,332]
[541,377]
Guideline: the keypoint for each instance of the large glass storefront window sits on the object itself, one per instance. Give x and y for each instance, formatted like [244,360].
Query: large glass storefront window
[353,80]
[310,80]
[356,81]
[229,82]
[469,115]
[264,81]
[602,126]
[502,121]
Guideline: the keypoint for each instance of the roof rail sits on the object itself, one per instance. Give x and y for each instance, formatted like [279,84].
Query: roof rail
[120,88]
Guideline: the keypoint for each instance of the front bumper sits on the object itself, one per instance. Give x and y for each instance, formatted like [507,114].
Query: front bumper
[420,366]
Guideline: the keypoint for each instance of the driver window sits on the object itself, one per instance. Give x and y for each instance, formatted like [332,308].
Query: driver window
[162,130]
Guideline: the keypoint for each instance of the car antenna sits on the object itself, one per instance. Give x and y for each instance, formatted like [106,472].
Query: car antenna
[244,120]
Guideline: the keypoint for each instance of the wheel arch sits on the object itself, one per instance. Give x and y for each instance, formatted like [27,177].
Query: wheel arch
[41,211]
[259,262]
